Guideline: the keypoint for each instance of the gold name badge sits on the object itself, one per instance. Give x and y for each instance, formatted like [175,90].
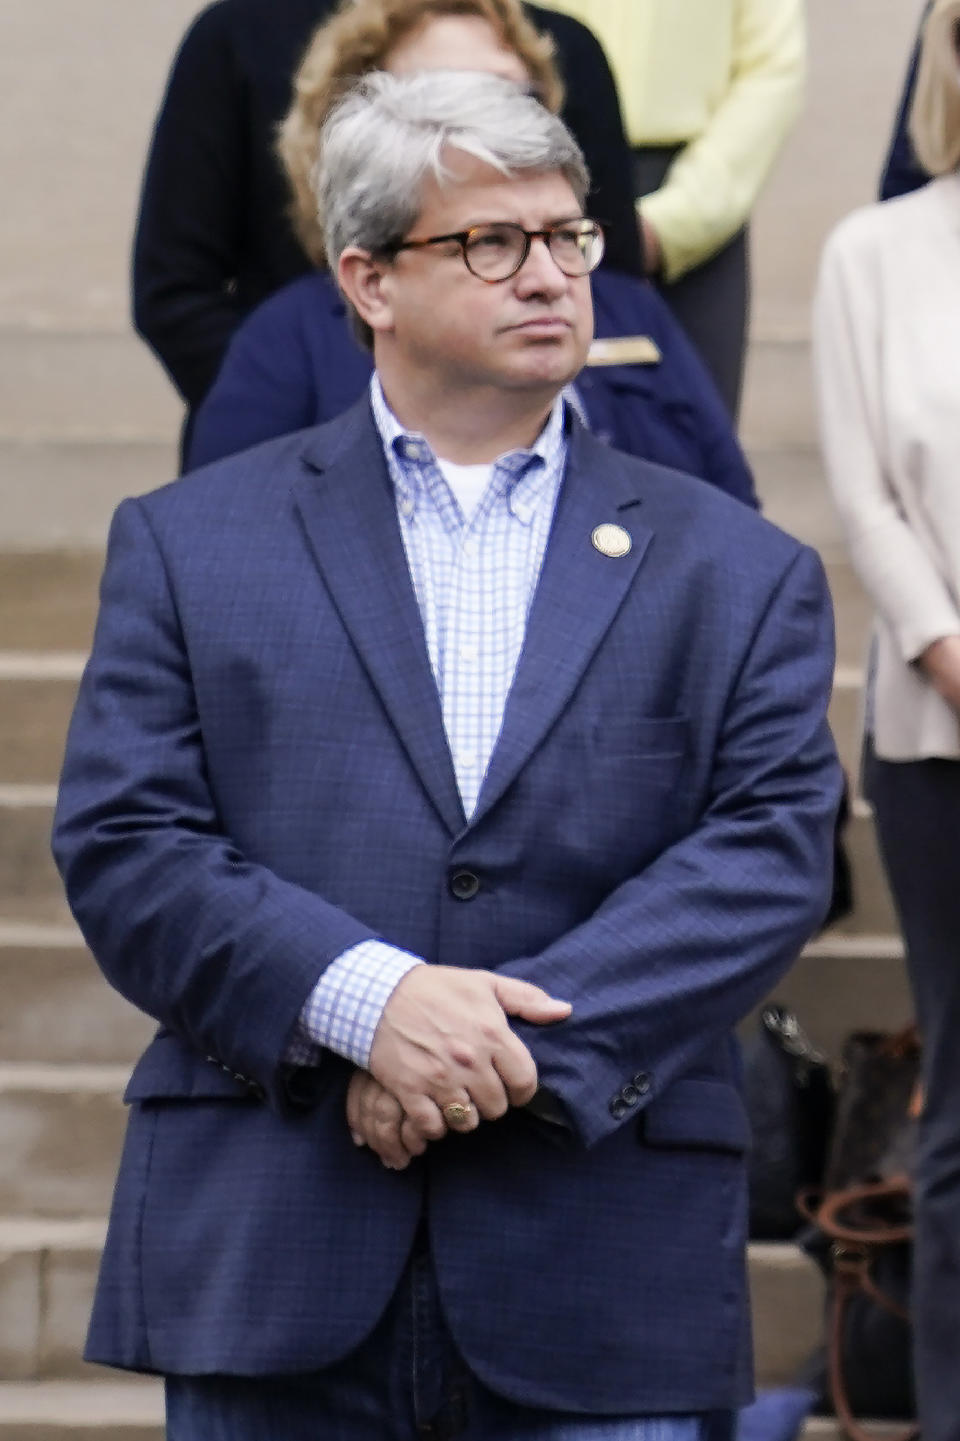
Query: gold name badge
[624,350]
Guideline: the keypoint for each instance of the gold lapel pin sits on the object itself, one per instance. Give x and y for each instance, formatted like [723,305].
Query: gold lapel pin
[624,350]
[611,540]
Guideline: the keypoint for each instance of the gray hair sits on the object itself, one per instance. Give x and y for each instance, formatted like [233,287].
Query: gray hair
[387,135]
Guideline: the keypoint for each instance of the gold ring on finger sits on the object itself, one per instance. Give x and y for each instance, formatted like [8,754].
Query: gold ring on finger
[455,1113]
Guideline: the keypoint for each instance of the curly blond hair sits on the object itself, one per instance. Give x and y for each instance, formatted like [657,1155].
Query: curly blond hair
[358,38]
[935,112]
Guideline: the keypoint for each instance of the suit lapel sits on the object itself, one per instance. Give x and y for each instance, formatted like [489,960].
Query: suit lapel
[579,593]
[347,507]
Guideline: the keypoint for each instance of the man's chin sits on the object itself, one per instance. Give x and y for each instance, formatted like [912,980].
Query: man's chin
[554,365]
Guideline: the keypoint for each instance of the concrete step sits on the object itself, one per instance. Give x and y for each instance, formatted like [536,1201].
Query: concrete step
[61,1129]
[852,613]
[846,720]
[57,1005]
[873,913]
[48,599]
[62,493]
[845,983]
[29,885]
[787,1296]
[91,1410]
[37,692]
[48,1271]
[47,1274]
[794,494]
[83,385]
[778,403]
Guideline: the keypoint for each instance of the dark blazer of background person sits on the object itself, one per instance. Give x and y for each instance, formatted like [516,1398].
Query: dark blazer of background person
[294,363]
[257,778]
[902,171]
[213,239]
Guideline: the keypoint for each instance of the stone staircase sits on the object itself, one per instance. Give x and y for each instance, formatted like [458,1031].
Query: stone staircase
[66,1041]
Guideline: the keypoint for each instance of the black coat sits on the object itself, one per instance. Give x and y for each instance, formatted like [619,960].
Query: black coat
[213,237]
[902,171]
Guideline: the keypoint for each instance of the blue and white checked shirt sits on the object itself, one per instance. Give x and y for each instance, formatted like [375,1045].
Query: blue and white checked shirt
[474,579]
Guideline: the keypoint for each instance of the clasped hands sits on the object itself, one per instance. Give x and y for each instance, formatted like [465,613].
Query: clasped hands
[444,1040]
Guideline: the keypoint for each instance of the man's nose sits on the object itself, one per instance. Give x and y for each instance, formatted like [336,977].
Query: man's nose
[540,273]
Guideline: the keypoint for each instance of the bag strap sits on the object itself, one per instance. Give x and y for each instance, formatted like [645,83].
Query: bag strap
[851,1274]
[829,1215]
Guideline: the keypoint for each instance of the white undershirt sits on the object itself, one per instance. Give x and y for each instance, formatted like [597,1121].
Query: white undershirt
[468,483]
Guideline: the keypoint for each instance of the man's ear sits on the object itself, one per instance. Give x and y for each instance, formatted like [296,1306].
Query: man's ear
[361,279]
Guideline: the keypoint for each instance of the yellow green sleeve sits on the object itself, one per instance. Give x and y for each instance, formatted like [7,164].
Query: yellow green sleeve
[714,182]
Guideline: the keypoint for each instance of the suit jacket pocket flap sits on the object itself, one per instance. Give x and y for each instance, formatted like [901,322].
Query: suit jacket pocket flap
[169,1070]
[659,737]
[698,1113]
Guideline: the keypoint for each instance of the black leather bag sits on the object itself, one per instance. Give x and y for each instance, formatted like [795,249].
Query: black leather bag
[790,1101]
[861,1233]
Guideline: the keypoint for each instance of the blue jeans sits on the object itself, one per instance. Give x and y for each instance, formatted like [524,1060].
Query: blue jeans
[406,1382]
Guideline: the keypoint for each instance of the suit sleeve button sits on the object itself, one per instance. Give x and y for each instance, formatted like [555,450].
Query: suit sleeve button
[464,885]
[630,1095]
[643,1081]
[618,1108]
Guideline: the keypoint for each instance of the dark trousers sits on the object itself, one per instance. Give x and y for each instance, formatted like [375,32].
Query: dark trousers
[711,301]
[917,807]
[407,1382]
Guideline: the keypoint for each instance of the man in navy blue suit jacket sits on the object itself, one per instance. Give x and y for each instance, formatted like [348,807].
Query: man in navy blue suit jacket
[447,785]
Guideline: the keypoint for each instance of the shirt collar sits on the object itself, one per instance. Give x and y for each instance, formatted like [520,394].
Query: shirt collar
[523,473]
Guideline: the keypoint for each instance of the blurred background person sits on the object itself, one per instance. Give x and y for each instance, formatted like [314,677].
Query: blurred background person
[710,89]
[902,171]
[213,237]
[295,361]
[887,359]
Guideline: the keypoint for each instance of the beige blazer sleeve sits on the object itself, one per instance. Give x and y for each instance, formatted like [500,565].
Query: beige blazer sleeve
[889,557]
[877,426]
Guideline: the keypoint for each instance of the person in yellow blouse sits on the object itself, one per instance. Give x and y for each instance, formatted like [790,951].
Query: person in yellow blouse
[709,91]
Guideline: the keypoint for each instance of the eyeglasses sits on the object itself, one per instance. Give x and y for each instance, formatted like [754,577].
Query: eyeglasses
[495,251]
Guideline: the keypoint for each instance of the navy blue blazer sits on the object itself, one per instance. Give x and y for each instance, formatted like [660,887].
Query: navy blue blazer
[295,363]
[257,777]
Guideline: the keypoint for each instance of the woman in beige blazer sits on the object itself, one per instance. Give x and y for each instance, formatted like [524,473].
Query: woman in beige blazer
[887,363]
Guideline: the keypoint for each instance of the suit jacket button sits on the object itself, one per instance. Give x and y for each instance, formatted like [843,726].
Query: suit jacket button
[618,1108]
[464,885]
[643,1082]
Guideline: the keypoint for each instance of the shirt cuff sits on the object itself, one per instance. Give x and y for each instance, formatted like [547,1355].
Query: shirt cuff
[344,1008]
